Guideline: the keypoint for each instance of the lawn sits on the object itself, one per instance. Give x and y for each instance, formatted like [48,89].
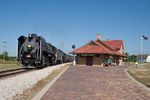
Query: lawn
[141,74]
[6,65]
[7,62]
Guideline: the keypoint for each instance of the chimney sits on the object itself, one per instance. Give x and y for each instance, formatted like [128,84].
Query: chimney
[98,37]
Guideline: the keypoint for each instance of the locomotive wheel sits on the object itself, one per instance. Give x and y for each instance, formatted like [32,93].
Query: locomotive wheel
[39,66]
[43,61]
[61,61]
[47,61]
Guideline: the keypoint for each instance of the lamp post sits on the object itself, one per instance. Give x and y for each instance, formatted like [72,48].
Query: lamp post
[74,54]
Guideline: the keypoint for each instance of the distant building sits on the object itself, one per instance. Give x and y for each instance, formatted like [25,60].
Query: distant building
[143,58]
[98,53]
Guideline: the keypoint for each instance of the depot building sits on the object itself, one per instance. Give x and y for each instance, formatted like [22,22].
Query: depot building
[100,53]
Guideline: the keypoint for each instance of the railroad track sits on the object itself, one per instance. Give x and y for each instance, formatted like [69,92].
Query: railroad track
[13,72]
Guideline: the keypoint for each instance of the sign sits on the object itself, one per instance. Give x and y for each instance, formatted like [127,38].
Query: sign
[87,54]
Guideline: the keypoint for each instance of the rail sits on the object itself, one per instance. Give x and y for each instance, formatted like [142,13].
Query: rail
[13,72]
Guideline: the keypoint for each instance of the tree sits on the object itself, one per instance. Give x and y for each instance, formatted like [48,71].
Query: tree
[1,56]
[127,54]
[5,55]
[126,59]
[131,58]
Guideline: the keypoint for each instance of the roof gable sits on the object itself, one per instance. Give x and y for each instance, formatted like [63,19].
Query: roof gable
[91,43]
[101,42]
[115,44]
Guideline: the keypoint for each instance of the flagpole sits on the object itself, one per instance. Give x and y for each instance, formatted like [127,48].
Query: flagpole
[141,50]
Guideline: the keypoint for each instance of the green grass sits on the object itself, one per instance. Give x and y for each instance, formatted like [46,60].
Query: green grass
[7,62]
[8,66]
[141,74]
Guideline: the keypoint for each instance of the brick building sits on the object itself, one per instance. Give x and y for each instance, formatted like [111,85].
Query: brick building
[95,53]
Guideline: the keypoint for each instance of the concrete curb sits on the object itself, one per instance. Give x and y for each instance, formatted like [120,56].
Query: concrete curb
[129,76]
[45,89]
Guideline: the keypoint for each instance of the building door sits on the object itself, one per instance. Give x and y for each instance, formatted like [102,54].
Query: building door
[89,60]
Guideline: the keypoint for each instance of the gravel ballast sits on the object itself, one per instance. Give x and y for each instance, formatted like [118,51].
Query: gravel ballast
[9,87]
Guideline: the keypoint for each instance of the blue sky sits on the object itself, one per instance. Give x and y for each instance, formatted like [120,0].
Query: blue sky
[67,22]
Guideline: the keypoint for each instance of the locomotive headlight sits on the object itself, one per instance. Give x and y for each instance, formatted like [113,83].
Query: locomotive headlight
[28,56]
[30,35]
[29,46]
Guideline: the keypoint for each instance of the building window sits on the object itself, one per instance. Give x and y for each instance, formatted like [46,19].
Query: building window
[105,57]
[81,56]
[97,55]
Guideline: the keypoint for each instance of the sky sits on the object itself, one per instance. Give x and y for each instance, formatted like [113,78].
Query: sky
[66,22]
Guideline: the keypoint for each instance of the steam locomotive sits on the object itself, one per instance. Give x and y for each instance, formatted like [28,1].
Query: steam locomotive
[35,52]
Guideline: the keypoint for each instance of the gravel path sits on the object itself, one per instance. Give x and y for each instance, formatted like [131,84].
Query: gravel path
[9,87]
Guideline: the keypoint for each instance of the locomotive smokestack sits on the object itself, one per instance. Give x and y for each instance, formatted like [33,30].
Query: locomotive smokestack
[32,35]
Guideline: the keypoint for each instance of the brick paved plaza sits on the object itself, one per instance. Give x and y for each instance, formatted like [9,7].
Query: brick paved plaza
[96,83]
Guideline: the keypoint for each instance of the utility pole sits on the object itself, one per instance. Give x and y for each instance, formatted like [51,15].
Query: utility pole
[4,46]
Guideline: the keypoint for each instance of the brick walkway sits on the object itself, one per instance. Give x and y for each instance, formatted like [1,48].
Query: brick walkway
[95,83]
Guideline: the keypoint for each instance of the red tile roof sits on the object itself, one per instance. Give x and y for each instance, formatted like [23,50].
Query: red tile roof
[102,47]
[115,44]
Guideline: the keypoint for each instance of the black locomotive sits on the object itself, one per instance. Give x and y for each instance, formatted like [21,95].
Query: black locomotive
[36,52]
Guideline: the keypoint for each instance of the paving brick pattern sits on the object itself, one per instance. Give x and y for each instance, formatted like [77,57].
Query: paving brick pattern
[96,83]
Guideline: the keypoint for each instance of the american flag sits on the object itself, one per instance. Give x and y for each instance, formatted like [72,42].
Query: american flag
[144,37]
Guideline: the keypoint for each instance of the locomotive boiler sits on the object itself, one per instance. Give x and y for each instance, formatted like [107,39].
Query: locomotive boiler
[35,52]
